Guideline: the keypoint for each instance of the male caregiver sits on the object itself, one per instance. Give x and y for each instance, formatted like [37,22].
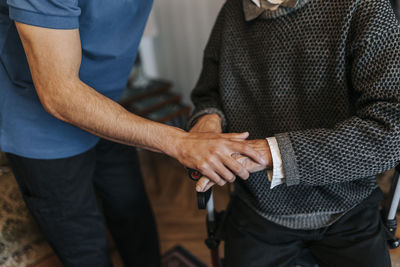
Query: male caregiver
[63,66]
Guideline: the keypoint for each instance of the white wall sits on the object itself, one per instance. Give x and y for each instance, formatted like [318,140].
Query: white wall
[183,28]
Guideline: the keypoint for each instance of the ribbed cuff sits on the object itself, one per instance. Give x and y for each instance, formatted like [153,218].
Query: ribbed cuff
[193,119]
[290,166]
[42,20]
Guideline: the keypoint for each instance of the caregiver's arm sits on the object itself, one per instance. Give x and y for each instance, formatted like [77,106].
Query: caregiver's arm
[54,58]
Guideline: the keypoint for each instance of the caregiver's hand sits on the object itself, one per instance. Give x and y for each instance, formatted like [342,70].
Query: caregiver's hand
[219,156]
[211,124]
[260,145]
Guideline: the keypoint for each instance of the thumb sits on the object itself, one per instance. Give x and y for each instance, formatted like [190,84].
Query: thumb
[202,184]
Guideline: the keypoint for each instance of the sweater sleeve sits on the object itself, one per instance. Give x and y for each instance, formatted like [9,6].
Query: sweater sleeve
[365,144]
[205,96]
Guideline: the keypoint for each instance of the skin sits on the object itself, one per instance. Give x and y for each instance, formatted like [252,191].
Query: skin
[54,58]
[211,123]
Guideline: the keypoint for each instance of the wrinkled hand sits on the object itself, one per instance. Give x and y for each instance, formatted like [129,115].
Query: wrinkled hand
[259,145]
[210,152]
[210,123]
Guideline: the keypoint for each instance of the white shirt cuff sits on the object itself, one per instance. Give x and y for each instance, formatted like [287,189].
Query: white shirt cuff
[276,175]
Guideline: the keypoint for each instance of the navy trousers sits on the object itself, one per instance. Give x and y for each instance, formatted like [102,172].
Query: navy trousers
[61,196]
[357,239]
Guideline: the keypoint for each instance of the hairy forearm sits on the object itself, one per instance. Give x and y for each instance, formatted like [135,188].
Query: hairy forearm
[78,104]
[54,58]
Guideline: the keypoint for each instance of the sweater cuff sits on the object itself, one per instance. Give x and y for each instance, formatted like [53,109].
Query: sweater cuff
[290,166]
[193,119]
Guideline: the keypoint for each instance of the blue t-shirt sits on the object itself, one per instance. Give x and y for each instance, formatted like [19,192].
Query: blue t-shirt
[110,33]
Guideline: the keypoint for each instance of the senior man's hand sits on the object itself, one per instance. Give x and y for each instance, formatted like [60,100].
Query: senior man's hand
[210,123]
[260,145]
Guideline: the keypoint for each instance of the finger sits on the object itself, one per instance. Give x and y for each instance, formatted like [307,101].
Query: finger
[236,167]
[242,136]
[248,151]
[202,183]
[214,177]
[208,186]
[223,172]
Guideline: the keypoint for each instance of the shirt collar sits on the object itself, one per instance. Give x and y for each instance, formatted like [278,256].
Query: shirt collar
[253,9]
[256,2]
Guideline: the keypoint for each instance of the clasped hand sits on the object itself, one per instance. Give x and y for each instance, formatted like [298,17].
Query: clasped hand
[212,124]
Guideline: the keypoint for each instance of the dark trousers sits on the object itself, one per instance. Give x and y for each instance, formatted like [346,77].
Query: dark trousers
[356,240]
[61,196]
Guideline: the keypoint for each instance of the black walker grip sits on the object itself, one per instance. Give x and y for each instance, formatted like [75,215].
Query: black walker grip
[202,199]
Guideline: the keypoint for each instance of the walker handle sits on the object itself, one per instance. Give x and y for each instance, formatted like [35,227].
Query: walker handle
[202,197]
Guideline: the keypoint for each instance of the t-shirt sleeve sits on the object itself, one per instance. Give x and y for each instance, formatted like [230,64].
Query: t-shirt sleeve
[55,14]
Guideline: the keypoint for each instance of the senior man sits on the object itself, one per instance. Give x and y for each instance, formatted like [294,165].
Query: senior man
[317,82]
[63,66]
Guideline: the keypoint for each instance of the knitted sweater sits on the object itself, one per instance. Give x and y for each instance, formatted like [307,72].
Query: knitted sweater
[324,79]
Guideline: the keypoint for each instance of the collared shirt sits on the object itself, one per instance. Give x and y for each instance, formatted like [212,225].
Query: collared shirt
[254,8]
[110,33]
[274,4]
